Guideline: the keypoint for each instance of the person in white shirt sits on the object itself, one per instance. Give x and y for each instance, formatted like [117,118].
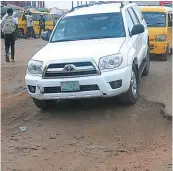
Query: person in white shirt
[9,25]
[30,28]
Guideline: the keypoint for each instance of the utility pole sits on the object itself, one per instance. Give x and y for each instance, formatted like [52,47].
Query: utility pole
[72,4]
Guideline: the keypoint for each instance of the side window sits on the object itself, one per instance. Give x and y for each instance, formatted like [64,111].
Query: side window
[136,15]
[129,21]
[138,12]
[47,17]
[169,17]
[133,15]
[35,17]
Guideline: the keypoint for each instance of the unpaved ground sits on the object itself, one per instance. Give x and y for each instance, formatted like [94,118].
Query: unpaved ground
[84,135]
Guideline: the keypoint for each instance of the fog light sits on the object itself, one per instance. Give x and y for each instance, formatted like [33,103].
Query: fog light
[32,88]
[116,84]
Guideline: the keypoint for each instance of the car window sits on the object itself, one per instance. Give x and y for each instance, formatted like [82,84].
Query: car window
[138,12]
[47,17]
[155,19]
[129,21]
[133,15]
[169,17]
[35,17]
[91,26]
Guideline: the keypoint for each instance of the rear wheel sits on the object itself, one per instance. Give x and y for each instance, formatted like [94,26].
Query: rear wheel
[45,104]
[131,96]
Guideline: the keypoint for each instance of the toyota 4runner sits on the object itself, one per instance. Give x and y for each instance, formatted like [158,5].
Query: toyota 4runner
[96,50]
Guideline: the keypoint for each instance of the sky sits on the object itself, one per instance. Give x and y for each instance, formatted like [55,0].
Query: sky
[59,4]
[68,4]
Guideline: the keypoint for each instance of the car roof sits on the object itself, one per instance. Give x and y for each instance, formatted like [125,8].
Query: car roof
[155,8]
[96,9]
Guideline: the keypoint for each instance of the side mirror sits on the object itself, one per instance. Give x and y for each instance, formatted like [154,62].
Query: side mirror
[45,36]
[170,24]
[137,29]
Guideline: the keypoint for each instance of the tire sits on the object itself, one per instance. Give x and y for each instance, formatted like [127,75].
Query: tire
[147,67]
[131,96]
[45,104]
[164,56]
[20,33]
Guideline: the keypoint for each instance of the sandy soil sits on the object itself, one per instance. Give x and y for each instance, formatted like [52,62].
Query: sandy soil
[84,135]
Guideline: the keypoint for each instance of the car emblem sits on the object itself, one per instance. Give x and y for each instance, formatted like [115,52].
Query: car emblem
[69,68]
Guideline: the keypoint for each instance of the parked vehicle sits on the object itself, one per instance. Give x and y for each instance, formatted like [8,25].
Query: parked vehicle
[22,26]
[159,21]
[97,50]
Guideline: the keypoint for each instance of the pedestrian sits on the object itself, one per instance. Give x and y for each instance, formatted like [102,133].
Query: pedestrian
[55,21]
[30,28]
[16,31]
[9,25]
[41,24]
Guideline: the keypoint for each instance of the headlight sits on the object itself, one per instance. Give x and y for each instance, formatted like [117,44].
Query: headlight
[161,38]
[110,62]
[35,67]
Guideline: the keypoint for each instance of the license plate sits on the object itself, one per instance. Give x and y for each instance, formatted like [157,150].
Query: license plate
[70,86]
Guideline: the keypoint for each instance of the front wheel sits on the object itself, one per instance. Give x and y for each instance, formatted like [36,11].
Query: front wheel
[131,96]
[45,104]
[164,56]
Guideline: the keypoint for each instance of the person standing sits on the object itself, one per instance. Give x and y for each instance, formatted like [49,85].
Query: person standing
[55,21]
[9,25]
[30,28]
[41,24]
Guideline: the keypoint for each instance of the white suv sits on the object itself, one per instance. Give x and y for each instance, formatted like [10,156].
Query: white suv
[97,50]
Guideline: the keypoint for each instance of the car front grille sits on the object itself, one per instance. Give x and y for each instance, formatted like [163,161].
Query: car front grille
[48,90]
[74,69]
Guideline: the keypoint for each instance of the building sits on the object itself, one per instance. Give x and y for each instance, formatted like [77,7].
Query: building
[38,4]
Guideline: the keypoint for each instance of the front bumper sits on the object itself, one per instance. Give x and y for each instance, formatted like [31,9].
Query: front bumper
[158,47]
[103,82]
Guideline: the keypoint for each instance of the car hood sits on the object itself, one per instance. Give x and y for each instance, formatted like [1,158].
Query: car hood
[154,31]
[79,49]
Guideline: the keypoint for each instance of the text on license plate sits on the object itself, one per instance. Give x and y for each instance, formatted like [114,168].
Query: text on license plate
[70,86]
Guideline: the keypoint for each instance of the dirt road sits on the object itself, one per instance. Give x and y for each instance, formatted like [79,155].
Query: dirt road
[84,135]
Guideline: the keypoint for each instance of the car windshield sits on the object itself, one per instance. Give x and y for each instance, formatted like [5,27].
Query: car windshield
[155,19]
[93,26]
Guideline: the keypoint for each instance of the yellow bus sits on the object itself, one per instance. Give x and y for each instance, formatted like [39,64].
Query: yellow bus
[22,24]
[159,22]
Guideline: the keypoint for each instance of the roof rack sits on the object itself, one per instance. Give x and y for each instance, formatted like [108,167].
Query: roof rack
[123,3]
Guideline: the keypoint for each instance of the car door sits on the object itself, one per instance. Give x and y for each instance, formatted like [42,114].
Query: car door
[145,37]
[136,38]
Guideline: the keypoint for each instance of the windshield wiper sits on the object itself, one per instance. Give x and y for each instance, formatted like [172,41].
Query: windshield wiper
[98,37]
